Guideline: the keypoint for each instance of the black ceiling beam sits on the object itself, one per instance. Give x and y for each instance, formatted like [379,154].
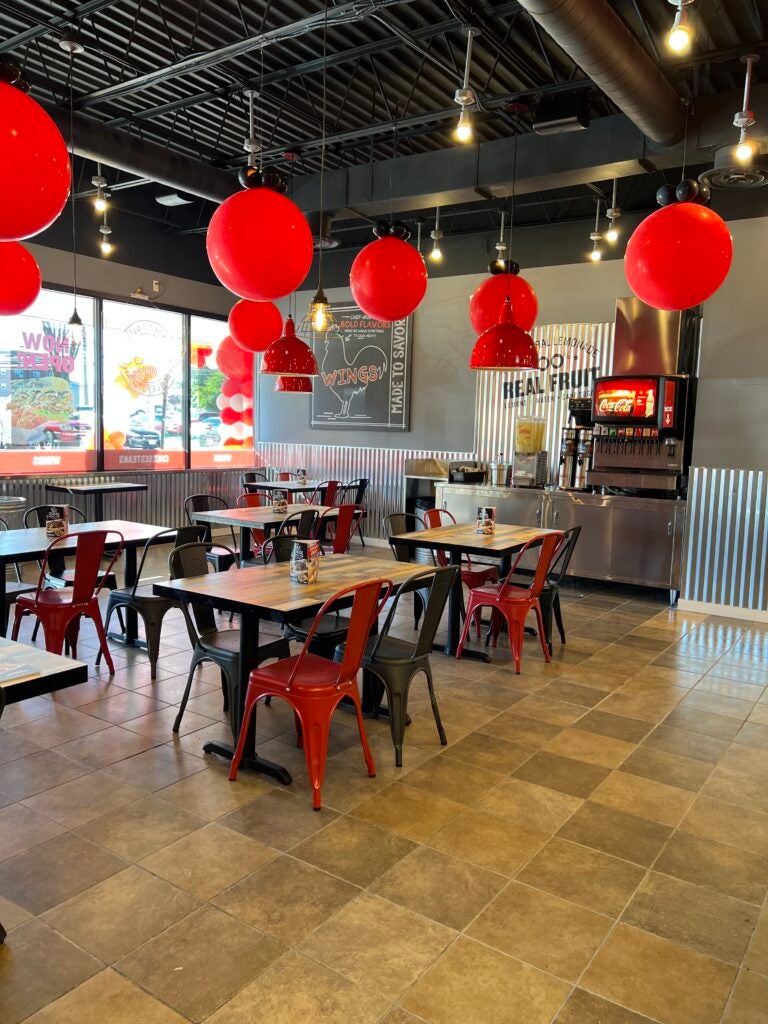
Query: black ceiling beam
[307,67]
[200,61]
[58,21]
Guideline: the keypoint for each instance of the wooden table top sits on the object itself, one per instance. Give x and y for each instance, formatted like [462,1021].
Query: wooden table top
[257,518]
[115,487]
[27,671]
[15,545]
[285,485]
[462,537]
[268,589]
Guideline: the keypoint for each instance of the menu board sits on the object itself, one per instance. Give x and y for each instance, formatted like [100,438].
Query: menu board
[365,373]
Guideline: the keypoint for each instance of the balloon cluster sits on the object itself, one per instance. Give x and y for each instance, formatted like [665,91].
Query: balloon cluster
[235,402]
[35,177]
[688,190]
[392,228]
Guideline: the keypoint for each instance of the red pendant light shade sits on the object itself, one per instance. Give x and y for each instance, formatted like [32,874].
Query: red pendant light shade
[294,385]
[289,355]
[505,346]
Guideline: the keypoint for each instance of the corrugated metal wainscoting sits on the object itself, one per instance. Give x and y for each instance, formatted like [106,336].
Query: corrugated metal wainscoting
[727,549]
[162,504]
[382,466]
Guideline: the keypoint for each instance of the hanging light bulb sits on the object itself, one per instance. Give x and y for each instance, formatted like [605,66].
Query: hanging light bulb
[500,262]
[465,97]
[436,253]
[105,231]
[747,148]
[612,234]
[320,314]
[595,236]
[680,36]
[99,182]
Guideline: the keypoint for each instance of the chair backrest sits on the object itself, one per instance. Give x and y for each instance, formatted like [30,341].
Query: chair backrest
[324,493]
[35,516]
[186,561]
[88,576]
[182,535]
[562,560]
[435,585]
[253,499]
[367,602]
[346,520]
[202,503]
[278,549]
[286,475]
[299,524]
[548,547]
[253,477]
[397,523]
[434,518]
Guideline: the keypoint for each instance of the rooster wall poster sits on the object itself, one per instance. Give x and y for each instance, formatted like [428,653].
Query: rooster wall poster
[364,380]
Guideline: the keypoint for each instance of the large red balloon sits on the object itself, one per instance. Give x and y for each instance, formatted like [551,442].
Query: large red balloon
[388,279]
[255,325]
[20,279]
[34,166]
[231,359]
[259,244]
[678,256]
[488,299]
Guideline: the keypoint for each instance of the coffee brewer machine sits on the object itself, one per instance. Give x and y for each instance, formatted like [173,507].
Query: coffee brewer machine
[576,446]
[642,435]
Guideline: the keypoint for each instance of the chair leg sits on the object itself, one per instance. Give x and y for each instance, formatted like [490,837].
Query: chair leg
[542,632]
[464,632]
[435,708]
[515,630]
[153,629]
[478,622]
[224,692]
[185,698]
[368,756]
[397,702]
[35,631]
[418,609]
[315,729]
[18,615]
[96,617]
[71,635]
[559,618]
[110,609]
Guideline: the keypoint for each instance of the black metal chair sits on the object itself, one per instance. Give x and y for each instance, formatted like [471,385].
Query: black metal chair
[406,522]
[219,646]
[152,609]
[13,589]
[254,476]
[299,524]
[217,555]
[395,662]
[278,549]
[353,494]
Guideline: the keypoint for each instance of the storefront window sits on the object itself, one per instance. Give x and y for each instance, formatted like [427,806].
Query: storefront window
[47,387]
[143,377]
[221,397]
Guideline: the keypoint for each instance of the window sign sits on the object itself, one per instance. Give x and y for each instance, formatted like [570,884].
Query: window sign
[47,387]
[143,378]
[221,403]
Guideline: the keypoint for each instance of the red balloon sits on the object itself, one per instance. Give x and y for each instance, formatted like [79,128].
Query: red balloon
[231,386]
[244,386]
[488,299]
[678,256]
[388,279]
[34,166]
[259,244]
[231,359]
[246,417]
[229,416]
[255,325]
[20,279]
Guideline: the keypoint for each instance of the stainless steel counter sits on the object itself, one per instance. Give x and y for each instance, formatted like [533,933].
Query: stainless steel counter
[623,539]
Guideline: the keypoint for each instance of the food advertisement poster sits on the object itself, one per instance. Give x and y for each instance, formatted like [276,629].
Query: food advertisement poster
[365,373]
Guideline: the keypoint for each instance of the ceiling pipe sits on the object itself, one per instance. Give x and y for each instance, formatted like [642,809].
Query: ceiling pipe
[598,41]
[126,152]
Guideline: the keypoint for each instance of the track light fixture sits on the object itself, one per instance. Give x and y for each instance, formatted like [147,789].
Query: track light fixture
[613,214]
[436,253]
[595,237]
[465,97]
[106,244]
[680,35]
[500,262]
[100,184]
[747,148]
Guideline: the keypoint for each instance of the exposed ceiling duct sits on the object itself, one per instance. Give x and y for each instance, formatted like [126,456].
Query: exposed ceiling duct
[596,39]
[95,141]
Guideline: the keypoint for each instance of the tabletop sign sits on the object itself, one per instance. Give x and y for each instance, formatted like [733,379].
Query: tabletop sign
[280,502]
[486,519]
[365,373]
[305,561]
[56,520]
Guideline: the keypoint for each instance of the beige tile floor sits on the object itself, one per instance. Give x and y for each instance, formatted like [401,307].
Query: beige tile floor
[590,848]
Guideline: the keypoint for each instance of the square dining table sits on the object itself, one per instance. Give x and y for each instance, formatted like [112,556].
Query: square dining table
[264,518]
[458,539]
[266,592]
[31,544]
[96,491]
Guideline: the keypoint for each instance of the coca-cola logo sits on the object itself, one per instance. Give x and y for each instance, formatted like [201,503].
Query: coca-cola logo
[615,406]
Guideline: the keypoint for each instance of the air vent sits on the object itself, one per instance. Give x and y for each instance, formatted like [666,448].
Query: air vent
[728,172]
[321,232]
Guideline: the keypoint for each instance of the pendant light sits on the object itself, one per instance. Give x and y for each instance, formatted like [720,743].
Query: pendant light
[436,253]
[100,184]
[71,44]
[500,263]
[289,355]
[745,118]
[465,97]
[505,346]
[612,234]
[320,316]
[680,35]
[596,253]
[105,231]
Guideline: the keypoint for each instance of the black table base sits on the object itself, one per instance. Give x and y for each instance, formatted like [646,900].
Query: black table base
[255,763]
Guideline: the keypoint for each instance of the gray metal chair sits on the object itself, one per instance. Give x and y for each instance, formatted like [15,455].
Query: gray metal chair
[395,662]
[278,549]
[219,646]
[406,522]
[217,555]
[299,524]
[151,609]
[253,477]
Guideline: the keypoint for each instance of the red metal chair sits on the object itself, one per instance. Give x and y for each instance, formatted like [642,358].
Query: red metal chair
[287,476]
[513,603]
[255,500]
[60,610]
[345,520]
[473,574]
[313,686]
[325,493]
